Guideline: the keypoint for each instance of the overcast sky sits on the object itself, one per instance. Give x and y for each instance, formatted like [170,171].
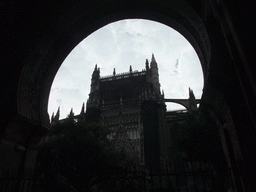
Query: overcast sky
[119,45]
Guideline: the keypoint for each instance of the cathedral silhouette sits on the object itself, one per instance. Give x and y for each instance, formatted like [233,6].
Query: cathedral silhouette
[133,107]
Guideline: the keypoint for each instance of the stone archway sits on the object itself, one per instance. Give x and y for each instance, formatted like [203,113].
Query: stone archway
[228,68]
[79,22]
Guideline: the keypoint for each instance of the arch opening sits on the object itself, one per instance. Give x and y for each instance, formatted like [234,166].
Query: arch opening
[119,45]
[44,62]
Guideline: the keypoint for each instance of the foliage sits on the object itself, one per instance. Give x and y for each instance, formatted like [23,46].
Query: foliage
[198,139]
[80,154]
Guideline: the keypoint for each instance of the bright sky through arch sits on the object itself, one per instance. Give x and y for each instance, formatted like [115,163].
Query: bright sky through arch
[119,45]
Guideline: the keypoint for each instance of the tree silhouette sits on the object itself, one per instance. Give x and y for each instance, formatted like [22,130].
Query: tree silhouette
[197,139]
[81,155]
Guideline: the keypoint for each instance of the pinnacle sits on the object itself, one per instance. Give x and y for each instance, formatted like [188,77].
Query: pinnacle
[58,112]
[153,63]
[147,67]
[153,58]
[82,110]
[57,116]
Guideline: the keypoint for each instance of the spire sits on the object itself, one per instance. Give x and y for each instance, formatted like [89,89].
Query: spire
[153,63]
[96,73]
[163,92]
[153,58]
[52,118]
[192,100]
[57,116]
[71,114]
[154,75]
[191,94]
[114,72]
[82,110]
[147,66]
[130,69]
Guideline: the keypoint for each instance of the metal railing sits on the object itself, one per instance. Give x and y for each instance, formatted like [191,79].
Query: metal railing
[182,176]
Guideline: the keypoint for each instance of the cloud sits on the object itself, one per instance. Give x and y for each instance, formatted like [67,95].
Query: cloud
[119,45]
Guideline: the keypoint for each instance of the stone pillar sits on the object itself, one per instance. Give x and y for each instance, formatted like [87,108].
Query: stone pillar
[150,120]
[18,144]
[18,148]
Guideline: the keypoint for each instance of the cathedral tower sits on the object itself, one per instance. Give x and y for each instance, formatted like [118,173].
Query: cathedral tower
[93,100]
[131,106]
[154,75]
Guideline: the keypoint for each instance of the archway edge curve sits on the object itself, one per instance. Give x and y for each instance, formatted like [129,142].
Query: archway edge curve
[83,19]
